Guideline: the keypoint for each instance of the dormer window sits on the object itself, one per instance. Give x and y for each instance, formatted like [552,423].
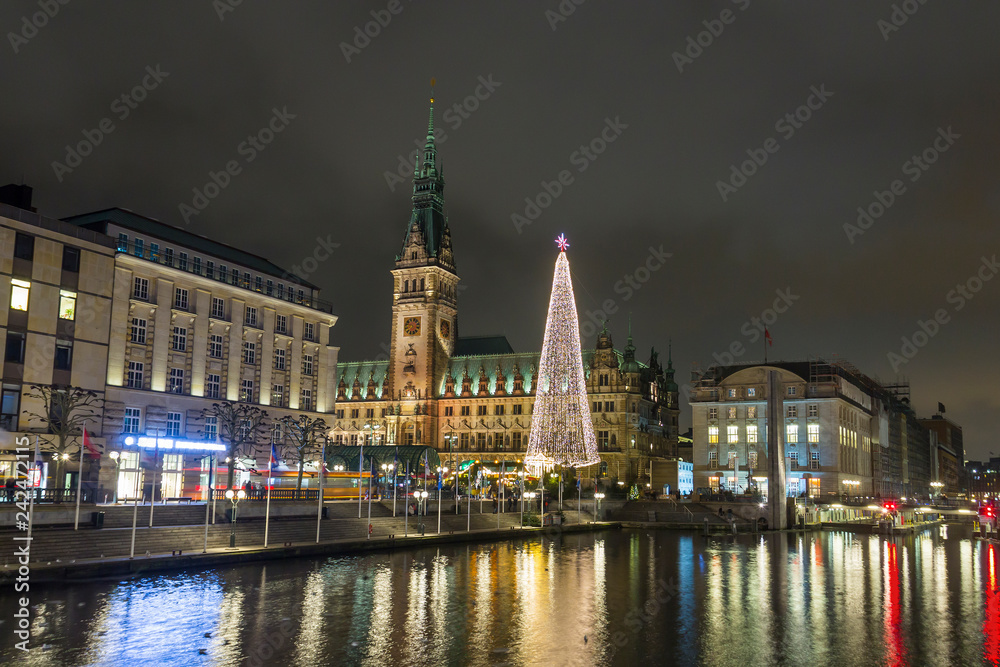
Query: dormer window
[413,255]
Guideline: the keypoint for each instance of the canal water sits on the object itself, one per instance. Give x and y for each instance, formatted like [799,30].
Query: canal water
[631,597]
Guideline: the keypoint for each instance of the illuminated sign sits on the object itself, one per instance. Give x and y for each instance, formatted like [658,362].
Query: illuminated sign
[171,443]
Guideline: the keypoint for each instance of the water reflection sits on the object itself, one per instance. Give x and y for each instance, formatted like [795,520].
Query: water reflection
[613,598]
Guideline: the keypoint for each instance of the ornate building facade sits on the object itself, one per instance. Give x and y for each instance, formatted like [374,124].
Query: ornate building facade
[472,397]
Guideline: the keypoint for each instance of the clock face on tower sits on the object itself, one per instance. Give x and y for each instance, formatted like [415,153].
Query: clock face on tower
[445,329]
[411,326]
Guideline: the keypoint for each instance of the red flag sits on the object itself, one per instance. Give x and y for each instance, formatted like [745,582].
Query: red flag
[91,450]
[767,337]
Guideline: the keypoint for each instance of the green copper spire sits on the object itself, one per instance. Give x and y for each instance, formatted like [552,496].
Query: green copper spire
[428,240]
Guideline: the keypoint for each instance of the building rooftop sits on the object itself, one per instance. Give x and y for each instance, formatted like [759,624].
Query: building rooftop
[98,221]
[471,346]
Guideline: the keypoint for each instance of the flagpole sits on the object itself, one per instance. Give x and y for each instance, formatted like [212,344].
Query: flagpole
[406,521]
[267,507]
[152,477]
[395,474]
[319,510]
[79,482]
[31,488]
[211,464]
[361,466]
[371,462]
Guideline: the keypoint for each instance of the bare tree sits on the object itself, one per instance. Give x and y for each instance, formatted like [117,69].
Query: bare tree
[240,426]
[305,434]
[67,410]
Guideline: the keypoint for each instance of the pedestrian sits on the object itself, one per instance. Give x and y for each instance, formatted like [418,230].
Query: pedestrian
[721,513]
[729,515]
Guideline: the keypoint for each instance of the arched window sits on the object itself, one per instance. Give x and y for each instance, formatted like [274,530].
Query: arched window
[421,284]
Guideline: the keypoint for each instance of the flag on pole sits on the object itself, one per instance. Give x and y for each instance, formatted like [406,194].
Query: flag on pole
[941,408]
[91,450]
[767,337]
[272,462]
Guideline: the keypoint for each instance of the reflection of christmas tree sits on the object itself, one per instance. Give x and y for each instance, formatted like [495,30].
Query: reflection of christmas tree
[561,430]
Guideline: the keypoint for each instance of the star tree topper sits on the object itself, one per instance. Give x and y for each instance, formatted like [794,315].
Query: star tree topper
[562,242]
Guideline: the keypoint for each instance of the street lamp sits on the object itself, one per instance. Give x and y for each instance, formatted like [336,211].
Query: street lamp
[235,499]
[936,488]
[530,495]
[441,472]
[422,500]
[598,497]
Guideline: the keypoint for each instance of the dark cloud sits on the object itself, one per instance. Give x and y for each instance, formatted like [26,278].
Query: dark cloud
[656,184]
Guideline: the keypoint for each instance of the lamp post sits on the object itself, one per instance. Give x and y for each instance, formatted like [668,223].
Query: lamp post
[421,504]
[117,458]
[936,488]
[235,499]
[530,495]
[440,471]
[598,497]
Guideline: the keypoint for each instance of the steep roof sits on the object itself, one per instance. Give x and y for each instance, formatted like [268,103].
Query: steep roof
[482,345]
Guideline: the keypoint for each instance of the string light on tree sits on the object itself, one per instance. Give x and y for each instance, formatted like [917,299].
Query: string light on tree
[561,430]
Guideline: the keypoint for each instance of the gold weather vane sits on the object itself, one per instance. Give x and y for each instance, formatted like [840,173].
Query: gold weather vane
[432,90]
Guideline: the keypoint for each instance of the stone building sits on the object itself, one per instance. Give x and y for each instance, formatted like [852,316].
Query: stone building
[56,293]
[472,397]
[193,322]
[844,433]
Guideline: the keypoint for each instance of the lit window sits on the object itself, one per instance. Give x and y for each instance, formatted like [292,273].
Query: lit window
[792,433]
[731,412]
[713,460]
[154,251]
[19,294]
[246,390]
[814,461]
[751,391]
[713,435]
[752,461]
[278,395]
[751,433]
[122,242]
[813,432]
[733,433]
[752,412]
[67,305]
[732,393]
[732,460]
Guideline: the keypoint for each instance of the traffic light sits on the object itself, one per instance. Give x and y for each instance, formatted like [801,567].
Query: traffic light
[889,505]
[988,511]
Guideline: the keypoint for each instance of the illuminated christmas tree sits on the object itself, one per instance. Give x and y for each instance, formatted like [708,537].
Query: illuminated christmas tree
[561,430]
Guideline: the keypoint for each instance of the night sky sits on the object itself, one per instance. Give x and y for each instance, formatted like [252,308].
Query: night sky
[535,90]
